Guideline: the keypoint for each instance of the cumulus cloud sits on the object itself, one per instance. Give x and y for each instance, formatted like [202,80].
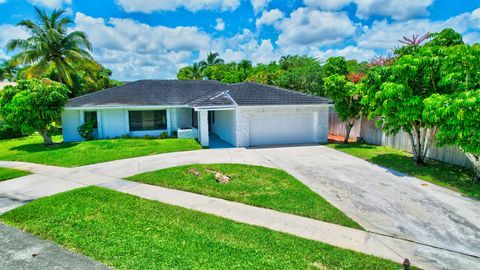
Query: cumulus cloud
[396,9]
[50,3]
[385,35]
[149,6]
[220,24]
[327,4]
[269,17]
[349,52]
[8,32]
[134,50]
[259,5]
[310,27]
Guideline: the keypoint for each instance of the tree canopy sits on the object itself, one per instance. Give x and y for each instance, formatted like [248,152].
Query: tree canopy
[33,105]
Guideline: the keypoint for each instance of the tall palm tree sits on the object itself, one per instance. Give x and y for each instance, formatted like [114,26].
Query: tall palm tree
[51,45]
[196,71]
[212,59]
[8,71]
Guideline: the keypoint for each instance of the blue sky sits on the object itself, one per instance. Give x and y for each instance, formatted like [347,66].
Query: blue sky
[141,39]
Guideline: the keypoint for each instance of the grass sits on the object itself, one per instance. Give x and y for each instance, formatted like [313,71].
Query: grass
[443,174]
[6,173]
[31,149]
[127,232]
[254,185]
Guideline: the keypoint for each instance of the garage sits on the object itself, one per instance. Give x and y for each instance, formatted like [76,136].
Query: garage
[281,128]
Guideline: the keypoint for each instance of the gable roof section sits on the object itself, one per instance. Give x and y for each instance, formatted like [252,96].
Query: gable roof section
[194,94]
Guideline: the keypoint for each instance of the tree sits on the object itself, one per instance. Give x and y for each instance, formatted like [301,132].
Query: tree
[33,105]
[8,71]
[395,92]
[458,114]
[194,72]
[51,45]
[345,96]
[212,59]
[335,66]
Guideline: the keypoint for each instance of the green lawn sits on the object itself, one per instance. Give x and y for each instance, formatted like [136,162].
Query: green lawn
[6,173]
[254,185]
[443,174]
[31,149]
[127,232]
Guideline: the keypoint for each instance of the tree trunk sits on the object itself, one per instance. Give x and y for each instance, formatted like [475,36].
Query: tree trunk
[475,159]
[47,139]
[349,126]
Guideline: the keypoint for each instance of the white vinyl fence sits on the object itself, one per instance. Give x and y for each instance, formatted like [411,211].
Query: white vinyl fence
[370,133]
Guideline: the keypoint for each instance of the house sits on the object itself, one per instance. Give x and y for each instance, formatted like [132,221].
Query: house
[241,114]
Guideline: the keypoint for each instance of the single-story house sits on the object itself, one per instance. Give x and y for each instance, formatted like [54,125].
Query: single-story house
[241,114]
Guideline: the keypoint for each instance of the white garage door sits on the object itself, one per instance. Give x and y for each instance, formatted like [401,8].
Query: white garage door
[281,128]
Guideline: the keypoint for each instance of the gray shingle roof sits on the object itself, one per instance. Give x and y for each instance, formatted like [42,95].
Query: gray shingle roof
[193,93]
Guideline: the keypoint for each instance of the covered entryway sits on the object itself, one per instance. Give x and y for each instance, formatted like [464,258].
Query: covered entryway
[282,128]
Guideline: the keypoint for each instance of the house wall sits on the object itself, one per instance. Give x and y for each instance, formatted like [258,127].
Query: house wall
[115,123]
[320,118]
[225,126]
[70,124]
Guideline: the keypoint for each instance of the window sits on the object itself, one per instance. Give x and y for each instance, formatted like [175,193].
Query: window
[91,117]
[147,120]
[194,118]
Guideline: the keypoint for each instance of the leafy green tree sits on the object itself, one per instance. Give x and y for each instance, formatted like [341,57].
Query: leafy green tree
[457,115]
[33,105]
[345,96]
[446,38]
[51,45]
[396,92]
[335,66]
[8,71]
[245,66]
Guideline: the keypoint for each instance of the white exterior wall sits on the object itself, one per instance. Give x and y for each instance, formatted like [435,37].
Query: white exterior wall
[225,126]
[243,114]
[203,127]
[70,123]
[114,122]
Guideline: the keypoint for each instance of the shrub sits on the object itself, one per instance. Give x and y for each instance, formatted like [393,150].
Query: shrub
[8,132]
[86,130]
[163,135]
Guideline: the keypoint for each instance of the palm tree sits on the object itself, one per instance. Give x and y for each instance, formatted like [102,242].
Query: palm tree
[51,46]
[8,71]
[212,59]
[196,71]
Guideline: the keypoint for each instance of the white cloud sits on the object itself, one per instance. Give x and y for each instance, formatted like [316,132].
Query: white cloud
[269,17]
[134,50]
[51,3]
[220,24]
[259,5]
[8,32]
[385,35]
[149,6]
[397,9]
[327,4]
[310,27]
[349,52]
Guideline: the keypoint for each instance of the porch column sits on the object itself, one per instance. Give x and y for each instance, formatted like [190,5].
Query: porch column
[203,127]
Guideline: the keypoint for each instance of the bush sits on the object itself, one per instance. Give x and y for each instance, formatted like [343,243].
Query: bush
[8,132]
[86,130]
[163,135]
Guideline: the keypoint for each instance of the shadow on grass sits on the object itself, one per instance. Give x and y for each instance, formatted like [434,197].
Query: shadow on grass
[341,145]
[39,147]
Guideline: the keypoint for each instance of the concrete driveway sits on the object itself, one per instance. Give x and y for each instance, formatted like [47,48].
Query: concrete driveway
[444,225]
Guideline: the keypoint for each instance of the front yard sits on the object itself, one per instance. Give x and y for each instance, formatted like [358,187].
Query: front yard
[6,173]
[450,176]
[254,185]
[31,149]
[127,232]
